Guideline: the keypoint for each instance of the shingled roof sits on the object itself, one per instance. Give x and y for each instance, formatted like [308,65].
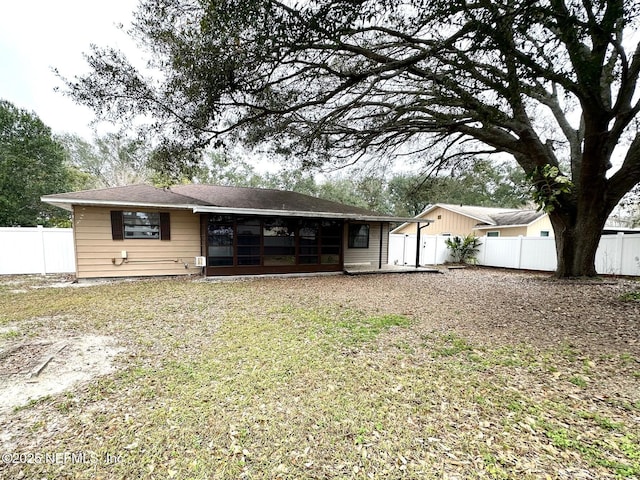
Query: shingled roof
[516,217]
[482,214]
[215,198]
[485,216]
[263,199]
[130,195]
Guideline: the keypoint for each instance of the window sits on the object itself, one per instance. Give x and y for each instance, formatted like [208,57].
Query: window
[140,225]
[544,233]
[358,235]
[493,234]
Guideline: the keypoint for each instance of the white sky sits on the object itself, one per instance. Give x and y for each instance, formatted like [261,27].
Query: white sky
[38,35]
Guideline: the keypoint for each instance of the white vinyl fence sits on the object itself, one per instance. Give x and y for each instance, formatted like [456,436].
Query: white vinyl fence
[28,250]
[617,254]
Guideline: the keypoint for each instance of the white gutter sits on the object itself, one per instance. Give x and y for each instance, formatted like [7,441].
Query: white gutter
[112,203]
[493,227]
[300,213]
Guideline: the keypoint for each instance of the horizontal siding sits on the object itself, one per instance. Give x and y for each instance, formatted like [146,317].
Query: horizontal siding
[369,256]
[449,222]
[543,223]
[504,232]
[96,252]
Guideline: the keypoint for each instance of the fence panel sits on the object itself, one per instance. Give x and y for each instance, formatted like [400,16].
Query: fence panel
[538,253]
[59,254]
[617,254]
[500,252]
[36,250]
[630,257]
[402,250]
[396,249]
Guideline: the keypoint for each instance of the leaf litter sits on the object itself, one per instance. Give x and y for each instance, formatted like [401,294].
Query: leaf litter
[476,373]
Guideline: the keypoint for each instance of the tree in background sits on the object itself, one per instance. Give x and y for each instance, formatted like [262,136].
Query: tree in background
[553,84]
[480,183]
[32,164]
[110,160]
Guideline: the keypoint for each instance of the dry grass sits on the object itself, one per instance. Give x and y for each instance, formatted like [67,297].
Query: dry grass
[471,374]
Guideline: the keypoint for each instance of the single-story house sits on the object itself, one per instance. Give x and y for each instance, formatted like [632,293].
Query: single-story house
[140,230]
[463,220]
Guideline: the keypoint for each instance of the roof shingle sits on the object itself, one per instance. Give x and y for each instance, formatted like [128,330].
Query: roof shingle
[190,196]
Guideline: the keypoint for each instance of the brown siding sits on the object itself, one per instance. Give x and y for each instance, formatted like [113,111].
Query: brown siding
[367,256]
[96,251]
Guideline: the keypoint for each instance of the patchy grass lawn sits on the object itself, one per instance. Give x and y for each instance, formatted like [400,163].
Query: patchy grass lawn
[471,374]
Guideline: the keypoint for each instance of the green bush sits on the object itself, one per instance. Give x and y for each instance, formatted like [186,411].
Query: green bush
[463,249]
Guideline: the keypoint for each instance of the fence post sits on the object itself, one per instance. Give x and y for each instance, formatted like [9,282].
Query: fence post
[43,268]
[519,250]
[619,252]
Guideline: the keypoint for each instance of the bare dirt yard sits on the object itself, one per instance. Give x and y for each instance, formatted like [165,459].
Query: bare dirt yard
[472,373]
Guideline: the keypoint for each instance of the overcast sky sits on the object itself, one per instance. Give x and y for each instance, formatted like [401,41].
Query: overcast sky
[38,35]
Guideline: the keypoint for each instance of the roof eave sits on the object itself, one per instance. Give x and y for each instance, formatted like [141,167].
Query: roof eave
[493,227]
[301,213]
[68,202]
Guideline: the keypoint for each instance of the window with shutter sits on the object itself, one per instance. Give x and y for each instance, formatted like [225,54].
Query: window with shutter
[140,225]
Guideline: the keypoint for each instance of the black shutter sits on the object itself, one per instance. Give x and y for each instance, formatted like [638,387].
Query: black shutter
[117,225]
[165,226]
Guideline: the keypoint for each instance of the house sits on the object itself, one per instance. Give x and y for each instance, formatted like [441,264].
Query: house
[140,230]
[463,220]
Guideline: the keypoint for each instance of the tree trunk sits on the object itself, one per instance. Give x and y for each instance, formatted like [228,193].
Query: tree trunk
[577,238]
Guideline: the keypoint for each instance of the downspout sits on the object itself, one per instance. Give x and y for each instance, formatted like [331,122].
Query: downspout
[418,228]
[417,244]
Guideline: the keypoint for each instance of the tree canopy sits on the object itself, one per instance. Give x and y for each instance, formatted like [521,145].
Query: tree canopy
[32,164]
[551,83]
[110,160]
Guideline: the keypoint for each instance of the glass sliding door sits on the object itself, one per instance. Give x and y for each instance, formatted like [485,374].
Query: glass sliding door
[249,241]
[308,240]
[279,237]
[220,230]
[253,245]
[330,242]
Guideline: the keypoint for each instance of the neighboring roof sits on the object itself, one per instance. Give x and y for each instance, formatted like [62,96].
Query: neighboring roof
[486,216]
[218,199]
[514,218]
[482,214]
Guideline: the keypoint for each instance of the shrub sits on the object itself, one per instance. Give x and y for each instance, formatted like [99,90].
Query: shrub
[463,249]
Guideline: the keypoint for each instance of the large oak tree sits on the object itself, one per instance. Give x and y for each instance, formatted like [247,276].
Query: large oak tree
[552,83]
